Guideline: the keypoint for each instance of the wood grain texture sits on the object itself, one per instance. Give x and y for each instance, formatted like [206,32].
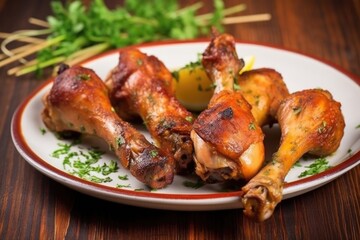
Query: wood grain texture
[32,206]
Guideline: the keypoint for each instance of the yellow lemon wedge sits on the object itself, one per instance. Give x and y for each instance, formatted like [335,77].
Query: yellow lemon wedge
[248,64]
[193,87]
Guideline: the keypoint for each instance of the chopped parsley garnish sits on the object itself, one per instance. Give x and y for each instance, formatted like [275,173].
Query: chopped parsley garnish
[106,169]
[195,185]
[43,131]
[139,62]
[96,179]
[83,77]
[252,126]
[321,129]
[85,164]
[349,151]
[193,65]
[297,164]
[189,118]
[154,153]
[123,186]
[175,75]
[64,149]
[120,141]
[318,166]
[124,177]
[236,87]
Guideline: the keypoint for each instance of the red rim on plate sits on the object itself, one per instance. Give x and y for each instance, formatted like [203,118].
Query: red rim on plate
[40,164]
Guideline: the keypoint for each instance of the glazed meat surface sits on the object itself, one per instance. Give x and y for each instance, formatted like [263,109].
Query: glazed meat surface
[78,101]
[311,122]
[228,142]
[264,89]
[141,85]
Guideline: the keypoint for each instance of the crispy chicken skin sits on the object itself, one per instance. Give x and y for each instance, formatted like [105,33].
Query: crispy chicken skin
[311,122]
[141,85]
[78,101]
[228,142]
[264,89]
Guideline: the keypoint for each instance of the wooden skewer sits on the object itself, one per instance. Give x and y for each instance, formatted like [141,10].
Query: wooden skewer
[16,50]
[22,48]
[33,67]
[87,53]
[14,70]
[22,38]
[228,11]
[30,50]
[248,18]
[39,22]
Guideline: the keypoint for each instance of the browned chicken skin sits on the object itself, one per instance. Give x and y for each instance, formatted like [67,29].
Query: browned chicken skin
[311,122]
[264,89]
[228,142]
[78,101]
[142,85]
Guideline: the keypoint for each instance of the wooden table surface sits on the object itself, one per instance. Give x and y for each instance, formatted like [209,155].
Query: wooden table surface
[33,206]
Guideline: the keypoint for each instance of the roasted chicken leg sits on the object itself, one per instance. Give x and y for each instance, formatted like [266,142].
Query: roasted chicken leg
[78,101]
[311,122]
[141,85]
[227,140]
[264,89]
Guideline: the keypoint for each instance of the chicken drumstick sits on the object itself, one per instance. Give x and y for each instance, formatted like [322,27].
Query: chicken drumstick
[311,121]
[78,101]
[142,85]
[264,89]
[228,142]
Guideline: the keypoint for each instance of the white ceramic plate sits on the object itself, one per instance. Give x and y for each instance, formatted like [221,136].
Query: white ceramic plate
[299,72]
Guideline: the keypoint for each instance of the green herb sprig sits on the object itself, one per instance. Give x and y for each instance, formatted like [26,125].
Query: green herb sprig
[85,164]
[75,31]
[195,185]
[318,166]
